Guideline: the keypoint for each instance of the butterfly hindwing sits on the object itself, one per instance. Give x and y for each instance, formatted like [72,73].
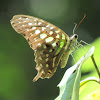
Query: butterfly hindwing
[47,61]
[47,41]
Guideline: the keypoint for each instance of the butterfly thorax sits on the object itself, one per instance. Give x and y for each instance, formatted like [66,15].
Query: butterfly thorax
[72,44]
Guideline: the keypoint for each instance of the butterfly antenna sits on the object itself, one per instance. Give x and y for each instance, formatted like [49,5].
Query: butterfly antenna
[76,26]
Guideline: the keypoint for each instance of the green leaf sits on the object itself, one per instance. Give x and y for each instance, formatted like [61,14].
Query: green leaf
[84,82]
[69,85]
[88,68]
[89,79]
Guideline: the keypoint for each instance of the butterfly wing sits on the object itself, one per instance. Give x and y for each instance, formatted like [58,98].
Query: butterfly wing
[47,41]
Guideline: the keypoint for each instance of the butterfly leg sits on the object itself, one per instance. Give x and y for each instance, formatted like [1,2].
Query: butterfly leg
[81,41]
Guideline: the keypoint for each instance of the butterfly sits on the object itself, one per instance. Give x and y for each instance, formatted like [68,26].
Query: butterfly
[51,45]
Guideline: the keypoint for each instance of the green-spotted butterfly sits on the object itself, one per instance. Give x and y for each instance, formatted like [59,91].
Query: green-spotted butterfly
[50,44]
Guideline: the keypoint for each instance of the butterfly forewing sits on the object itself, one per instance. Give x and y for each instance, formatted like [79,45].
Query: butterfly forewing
[47,41]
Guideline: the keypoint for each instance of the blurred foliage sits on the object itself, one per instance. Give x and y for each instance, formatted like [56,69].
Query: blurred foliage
[94,95]
[17,66]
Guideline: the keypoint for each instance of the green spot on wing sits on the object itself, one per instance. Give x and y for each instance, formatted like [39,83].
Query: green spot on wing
[63,36]
[49,39]
[54,44]
[57,36]
[61,45]
[42,36]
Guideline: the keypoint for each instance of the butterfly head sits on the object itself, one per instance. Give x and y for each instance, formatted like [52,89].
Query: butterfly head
[74,37]
[73,43]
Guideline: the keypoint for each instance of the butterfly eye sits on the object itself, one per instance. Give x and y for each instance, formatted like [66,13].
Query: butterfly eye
[76,36]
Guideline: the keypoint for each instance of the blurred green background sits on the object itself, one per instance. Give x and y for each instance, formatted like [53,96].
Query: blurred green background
[17,66]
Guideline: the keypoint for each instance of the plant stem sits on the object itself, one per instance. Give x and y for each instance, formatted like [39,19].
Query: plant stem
[92,57]
[89,79]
